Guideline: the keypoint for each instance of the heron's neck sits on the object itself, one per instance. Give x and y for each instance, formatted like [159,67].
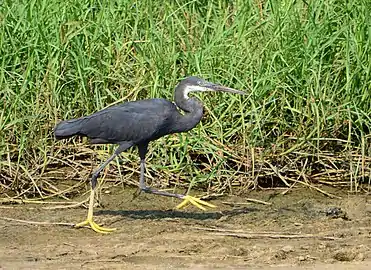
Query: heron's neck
[193,111]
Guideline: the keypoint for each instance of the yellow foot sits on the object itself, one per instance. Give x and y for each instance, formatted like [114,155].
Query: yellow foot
[94,226]
[196,202]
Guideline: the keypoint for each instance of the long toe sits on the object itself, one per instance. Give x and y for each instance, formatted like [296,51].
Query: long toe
[201,202]
[101,229]
[196,202]
[94,226]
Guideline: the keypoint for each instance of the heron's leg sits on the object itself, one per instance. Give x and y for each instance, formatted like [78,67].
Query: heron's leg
[89,220]
[187,198]
[144,188]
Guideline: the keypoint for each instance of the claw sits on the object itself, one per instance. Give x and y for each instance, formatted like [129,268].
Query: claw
[196,202]
[94,226]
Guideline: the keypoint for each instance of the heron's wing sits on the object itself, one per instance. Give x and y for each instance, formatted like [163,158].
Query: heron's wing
[131,121]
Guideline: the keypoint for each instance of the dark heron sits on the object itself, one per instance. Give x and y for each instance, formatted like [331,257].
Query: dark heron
[136,124]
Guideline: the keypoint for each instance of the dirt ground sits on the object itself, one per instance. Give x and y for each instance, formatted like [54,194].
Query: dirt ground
[302,229]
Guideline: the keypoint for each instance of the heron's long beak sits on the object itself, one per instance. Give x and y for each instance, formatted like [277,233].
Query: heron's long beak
[220,88]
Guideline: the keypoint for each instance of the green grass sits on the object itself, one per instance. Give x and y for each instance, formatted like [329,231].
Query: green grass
[305,64]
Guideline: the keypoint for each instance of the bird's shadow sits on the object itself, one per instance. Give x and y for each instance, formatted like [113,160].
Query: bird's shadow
[168,214]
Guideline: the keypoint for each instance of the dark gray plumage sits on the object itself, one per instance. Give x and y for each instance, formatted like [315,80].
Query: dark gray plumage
[134,122]
[139,122]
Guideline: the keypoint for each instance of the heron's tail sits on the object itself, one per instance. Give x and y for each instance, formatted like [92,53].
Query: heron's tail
[68,128]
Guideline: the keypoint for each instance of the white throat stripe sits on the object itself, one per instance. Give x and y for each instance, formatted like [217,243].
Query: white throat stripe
[193,88]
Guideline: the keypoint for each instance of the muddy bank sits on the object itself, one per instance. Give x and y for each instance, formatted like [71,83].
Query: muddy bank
[301,230]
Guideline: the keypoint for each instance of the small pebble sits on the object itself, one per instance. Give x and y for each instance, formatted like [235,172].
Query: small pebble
[301,258]
[287,248]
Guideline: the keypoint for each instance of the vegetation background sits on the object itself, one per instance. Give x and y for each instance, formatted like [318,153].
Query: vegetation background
[305,64]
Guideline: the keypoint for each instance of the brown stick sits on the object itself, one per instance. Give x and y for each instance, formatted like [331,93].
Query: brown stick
[258,201]
[38,222]
[278,236]
[272,235]
[39,201]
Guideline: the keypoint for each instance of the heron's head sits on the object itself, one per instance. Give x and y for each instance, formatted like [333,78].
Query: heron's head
[196,84]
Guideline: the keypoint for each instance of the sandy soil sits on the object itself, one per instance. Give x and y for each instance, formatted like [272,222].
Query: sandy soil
[299,230]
